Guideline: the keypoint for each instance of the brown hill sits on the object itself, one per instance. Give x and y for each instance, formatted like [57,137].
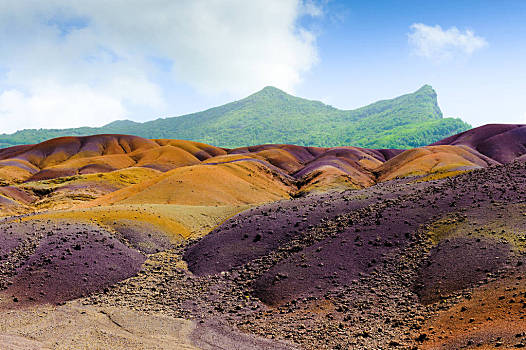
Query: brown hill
[62,172]
[432,159]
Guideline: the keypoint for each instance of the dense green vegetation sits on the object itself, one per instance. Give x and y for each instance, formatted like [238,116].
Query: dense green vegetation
[272,116]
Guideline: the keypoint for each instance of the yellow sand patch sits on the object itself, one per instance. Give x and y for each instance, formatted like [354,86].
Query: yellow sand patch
[176,221]
[331,178]
[369,163]
[119,178]
[228,158]
[237,183]
[115,161]
[65,192]
[441,175]
[12,174]
[502,222]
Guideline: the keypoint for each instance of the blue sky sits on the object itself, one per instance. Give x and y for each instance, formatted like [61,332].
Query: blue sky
[368,56]
[72,63]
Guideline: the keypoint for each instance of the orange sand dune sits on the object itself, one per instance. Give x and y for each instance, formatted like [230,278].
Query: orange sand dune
[67,156]
[65,192]
[236,183]
[197,173]
[431,159]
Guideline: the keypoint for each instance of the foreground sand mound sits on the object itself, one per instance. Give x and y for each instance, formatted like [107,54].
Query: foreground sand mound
[55,261]
[374,255]
[77,326]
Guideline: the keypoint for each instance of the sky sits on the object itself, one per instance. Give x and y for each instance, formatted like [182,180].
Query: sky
[70,63]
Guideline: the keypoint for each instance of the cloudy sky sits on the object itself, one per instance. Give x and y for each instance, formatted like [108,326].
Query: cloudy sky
[67,63]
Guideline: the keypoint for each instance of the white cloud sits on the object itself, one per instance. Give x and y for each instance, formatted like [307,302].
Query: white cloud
[438,44]
[311,8]
[108,52]
[55,106]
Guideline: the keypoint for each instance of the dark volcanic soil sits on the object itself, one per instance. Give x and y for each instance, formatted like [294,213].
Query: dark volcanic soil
[458,263]
[55,262]
[357,269]
[378,268]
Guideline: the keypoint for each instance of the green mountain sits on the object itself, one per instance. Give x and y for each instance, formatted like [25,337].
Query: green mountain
[273,116]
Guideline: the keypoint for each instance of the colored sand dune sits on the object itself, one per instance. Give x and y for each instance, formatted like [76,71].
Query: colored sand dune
[264,247]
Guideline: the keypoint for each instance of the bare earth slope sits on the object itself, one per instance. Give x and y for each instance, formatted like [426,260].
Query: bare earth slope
[380,262]
[264,247]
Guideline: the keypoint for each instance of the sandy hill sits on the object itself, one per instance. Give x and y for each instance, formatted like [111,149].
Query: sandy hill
[341,247]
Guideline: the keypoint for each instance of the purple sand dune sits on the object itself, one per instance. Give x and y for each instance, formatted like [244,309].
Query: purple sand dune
[7,201]
[19,164]
[64,260]
[257,232]
[500,142]
[443,274]
[306,247]
[96,168]
[341,158]
[389,153]
[206,154]
[10,152]
[477,135]
[48,174]
[357,153]
[12,235]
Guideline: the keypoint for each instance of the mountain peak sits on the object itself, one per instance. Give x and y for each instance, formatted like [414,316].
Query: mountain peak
[274,116]
[270,91]
[270,88]
[426,89]
[121,123]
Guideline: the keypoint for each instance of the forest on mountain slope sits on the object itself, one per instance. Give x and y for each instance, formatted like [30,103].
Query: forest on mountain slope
[273,116]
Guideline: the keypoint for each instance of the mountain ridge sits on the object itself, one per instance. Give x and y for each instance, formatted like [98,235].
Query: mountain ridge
[273,116]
